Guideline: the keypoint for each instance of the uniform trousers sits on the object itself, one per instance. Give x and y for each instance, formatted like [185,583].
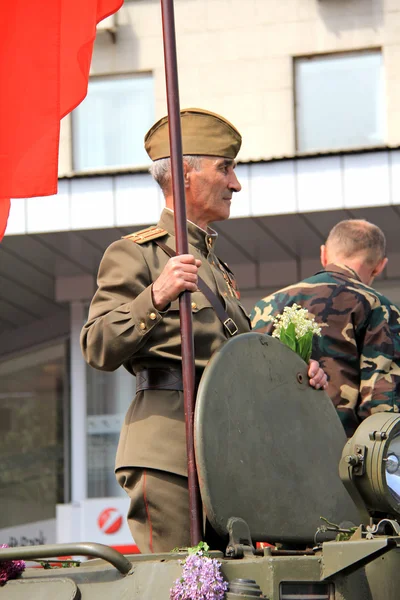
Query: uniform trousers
[158,514]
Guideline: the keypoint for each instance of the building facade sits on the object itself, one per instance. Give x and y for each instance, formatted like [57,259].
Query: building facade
[314,88]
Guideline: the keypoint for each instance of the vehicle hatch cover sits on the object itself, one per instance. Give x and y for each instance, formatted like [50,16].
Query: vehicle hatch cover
[267,444]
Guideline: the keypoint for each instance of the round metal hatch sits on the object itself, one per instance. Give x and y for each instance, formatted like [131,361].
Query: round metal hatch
[267,444]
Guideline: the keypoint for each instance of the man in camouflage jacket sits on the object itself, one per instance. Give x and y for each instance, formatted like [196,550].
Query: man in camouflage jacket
[360,344]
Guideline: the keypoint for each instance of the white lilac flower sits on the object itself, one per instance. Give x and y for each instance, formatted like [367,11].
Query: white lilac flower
[296,328]
[301,320]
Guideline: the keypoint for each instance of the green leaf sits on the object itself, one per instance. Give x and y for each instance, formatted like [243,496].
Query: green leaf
[201,547]
[65,564]
[304,346]
[288,336]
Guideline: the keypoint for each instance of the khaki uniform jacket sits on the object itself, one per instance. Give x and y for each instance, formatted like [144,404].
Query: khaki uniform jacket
[124,328]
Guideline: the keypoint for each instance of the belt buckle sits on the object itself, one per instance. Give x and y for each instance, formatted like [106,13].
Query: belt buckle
[231,326]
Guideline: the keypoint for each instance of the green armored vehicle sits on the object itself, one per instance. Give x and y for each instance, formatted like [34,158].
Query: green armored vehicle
[269,449]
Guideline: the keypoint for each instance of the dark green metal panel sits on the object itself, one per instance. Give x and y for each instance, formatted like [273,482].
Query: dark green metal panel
[383,576]
[152,577]
[347,557]
[267,444]
[48,589]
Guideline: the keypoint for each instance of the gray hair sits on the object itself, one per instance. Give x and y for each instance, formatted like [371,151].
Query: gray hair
[355,237]
[160,169]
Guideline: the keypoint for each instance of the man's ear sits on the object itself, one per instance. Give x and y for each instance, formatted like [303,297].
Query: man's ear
[186,173]
[379,267]
[323,256]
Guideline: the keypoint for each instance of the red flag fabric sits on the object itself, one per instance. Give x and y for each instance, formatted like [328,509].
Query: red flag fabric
[45,54]
[4,212]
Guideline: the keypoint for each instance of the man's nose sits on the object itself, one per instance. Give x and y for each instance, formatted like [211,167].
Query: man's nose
[234,184]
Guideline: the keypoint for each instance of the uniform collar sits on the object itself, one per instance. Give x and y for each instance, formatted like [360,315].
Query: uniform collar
[342,270]
[203,240]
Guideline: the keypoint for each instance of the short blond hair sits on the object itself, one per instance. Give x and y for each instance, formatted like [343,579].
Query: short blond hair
[357,237]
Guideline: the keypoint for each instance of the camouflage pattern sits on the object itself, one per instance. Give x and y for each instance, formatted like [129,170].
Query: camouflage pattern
[360,344]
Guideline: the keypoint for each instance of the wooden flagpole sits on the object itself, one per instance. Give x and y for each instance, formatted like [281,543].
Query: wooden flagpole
[182,247]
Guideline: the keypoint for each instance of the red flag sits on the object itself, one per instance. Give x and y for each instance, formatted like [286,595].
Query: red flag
[45,53]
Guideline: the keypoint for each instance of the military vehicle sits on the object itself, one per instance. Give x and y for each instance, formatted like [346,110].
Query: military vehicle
[269,449]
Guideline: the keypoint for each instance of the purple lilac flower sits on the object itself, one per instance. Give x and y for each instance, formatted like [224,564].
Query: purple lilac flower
[201,579]
[9,569]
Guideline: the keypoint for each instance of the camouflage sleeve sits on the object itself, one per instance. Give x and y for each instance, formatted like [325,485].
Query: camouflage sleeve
[379,363]
[262,315]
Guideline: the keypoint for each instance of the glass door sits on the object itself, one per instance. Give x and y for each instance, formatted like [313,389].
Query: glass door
[33,436]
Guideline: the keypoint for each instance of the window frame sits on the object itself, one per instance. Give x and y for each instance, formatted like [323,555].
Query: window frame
[107,169]
[338,54]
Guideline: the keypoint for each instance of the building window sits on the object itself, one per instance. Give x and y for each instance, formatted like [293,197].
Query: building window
[110,124]
[339,101]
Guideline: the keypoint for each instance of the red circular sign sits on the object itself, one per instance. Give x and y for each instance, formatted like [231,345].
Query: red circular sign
[109,520]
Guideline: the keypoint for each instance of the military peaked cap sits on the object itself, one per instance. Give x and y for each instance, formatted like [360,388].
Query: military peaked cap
[203,133]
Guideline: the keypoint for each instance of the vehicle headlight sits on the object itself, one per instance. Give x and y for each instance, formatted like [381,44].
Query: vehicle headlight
[370,466]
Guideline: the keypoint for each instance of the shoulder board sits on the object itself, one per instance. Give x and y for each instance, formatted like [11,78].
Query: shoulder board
[146,235]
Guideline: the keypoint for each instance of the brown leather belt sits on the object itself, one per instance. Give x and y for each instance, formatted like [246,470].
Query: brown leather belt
[161,379]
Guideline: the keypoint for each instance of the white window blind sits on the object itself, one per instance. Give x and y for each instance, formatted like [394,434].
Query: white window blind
[339,101]
[110,124]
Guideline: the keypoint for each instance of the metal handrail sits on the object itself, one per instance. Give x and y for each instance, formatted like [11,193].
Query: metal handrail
[108,554]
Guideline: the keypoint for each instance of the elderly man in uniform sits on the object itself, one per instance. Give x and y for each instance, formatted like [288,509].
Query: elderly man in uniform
[360,344]
[134,321]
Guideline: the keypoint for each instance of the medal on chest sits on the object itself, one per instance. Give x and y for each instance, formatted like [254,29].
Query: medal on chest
[230,282]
